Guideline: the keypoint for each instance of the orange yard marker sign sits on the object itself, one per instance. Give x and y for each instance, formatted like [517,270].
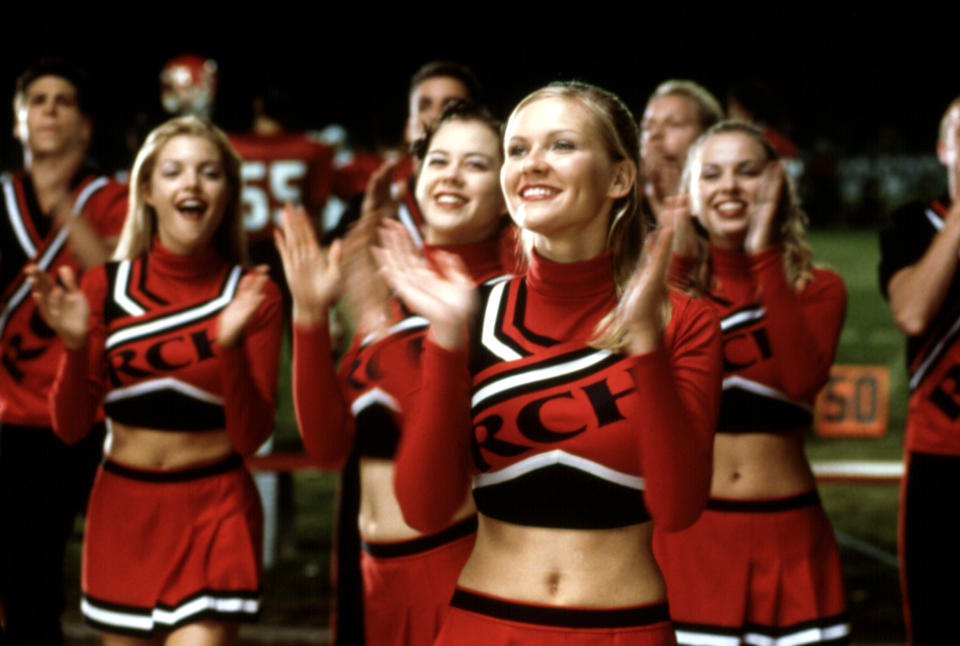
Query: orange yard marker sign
[854,402]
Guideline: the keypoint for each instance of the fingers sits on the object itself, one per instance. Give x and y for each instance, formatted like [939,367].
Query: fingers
[378,195]
[397,255]
[254,281]
[299,236]
[771,183]
[452,266]
[68,277]
[676,208]
[335,253]
[761,231]
[38,279]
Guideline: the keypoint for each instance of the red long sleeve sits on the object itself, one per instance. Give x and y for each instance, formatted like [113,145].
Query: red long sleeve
[804,327]
[323,417]
[432,474]
[679,388]
[248,374]
[78,388]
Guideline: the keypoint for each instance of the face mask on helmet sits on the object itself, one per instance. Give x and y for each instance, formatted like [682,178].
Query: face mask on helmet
[189,85]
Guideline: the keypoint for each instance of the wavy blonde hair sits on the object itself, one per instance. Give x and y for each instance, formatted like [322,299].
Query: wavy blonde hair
[141,224]
[792,229]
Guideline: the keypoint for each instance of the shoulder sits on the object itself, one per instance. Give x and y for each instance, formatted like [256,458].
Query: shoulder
[103,200]
[826,280]
[910,223]
[99,190]
[910,212]
[825,286]
[906,238]
[497,283]
[691,317]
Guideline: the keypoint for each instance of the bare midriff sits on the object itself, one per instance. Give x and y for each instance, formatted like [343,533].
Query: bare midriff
[760,465]
[603,568]
[381,519]
[150,448]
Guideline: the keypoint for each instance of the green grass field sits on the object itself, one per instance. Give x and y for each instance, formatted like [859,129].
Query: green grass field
[866,513]
[869,337]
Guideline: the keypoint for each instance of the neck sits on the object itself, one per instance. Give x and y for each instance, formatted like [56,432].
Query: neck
[588,278]
[729,262]
[198,265]
[730,245]
[52,175]
[569,249]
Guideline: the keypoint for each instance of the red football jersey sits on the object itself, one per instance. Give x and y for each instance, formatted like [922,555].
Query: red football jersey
[281,168]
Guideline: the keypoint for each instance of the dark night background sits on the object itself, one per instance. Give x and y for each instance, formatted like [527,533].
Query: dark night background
[850,82]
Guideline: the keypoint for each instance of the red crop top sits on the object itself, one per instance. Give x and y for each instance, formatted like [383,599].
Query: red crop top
[152,356]
[554,432]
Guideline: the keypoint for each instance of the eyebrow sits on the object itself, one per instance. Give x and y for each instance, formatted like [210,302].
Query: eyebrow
[467,154]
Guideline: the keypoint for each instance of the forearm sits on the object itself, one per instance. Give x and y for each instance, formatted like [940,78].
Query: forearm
[89,248]
[323,417]
[73,400]
[249,411]
[432,467]
[676,448]
[917,292]
[803,330]
[248,377]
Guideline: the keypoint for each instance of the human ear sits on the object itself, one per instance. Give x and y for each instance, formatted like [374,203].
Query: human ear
[86,131]
[624,177]
[943,153]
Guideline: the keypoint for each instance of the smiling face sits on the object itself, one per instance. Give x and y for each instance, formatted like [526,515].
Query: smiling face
[728,175]
[559,179]
[458,189]
[49,120]
[188,190]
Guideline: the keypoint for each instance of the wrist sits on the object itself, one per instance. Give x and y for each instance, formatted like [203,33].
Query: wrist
[448,336]
[74,344]
[310,317]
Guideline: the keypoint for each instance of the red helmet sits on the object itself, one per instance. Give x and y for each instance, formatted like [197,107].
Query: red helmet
[188,85]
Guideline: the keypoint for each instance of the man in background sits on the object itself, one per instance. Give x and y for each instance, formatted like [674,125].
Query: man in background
[58,211]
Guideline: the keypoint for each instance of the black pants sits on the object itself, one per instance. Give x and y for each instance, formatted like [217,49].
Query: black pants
[930,548]
[43,484]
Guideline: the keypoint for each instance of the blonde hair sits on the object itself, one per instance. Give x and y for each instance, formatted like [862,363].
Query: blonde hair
[141,224]
[709,110]
[626,230]
[792,231]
